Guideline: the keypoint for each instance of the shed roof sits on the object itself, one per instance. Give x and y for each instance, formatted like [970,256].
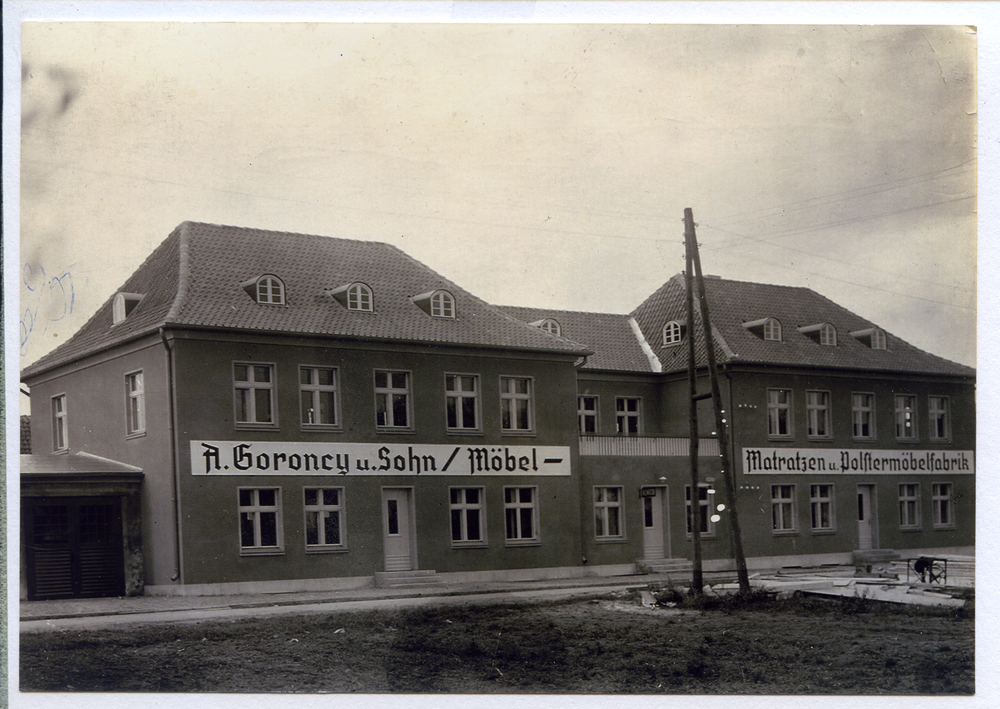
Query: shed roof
[48,464]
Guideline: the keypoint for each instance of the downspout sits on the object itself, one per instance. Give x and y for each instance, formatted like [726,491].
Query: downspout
[172,426]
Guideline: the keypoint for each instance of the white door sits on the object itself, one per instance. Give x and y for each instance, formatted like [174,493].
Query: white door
[867,538]
[655,530]
[397,531]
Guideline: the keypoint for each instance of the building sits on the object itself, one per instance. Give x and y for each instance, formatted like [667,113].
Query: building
[312,413]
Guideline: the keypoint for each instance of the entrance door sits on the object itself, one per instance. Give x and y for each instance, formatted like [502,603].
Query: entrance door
[655,529]
[867,519]
[397,528]
[73,547]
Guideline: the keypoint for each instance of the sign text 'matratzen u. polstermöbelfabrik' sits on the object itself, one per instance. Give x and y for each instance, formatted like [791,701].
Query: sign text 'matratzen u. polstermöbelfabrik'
[847,461]
[287,458]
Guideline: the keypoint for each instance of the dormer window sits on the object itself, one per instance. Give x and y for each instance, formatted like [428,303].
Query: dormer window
[355,296]
[550,326]
[673,332]
[266,290]
[123,306]
[436,303]
[768,329]
[823,333]
[873,337]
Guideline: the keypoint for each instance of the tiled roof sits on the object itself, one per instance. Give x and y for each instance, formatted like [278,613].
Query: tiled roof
[49,464]
[615,344]
[26,435]
[733,303]
[194,279]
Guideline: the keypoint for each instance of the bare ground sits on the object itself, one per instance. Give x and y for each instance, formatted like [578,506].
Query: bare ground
[798,646]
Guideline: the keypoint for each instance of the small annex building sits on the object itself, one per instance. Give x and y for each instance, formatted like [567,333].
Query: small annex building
[313,413]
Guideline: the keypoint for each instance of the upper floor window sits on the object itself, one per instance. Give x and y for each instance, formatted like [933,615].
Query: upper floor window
[823,333]
[318,392]
[818,414]
[550,326]
[937,408]
[462,401]
[253,387]
[442,305]
[586,410]
[359,297]
[392,399]
[779,413]
[516,404]
[59,437]
[123,305]
[628,416]
[872,336]
[673,332]
[906,417]
[135,404]
[266,290]
[863,412]
[766,329]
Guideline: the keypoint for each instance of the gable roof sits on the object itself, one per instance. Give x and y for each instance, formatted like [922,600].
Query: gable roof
[194,279]
[615,344]
[734,303]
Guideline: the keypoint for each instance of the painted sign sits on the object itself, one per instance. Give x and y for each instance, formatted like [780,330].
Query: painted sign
[288,458]
[757,461]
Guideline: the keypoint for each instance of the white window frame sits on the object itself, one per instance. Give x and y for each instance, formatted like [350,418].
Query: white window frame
[459,508]
[389,392]
[360,298]
[455,399]
[255,389]
[862,411]
[828,335]
[706,505]
[135,404]
[909,506]
[609,511]
[313,391]
[772,330]
[817,413]
[784,512]
[254,512]
[775,408]
[514,511]
[509,405]
[60,424]
[906,413]
[943,500]
[939,418]
[320,511]
[822,503]
[270,290]
[443,305]
[551,326]
[625,415]
[673,333]
[583,414]
[878,339]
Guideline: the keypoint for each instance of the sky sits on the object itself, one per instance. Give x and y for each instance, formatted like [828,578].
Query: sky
[533,164]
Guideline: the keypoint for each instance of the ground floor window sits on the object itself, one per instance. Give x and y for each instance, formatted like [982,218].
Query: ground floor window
[521,513]
[944,505]
[260,520]
[706,500]
[821,507]
[783,508]
[467,516]
[909,506]
[608,513]
[324,507]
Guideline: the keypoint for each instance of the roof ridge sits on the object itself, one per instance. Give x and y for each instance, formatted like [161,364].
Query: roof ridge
[183,270]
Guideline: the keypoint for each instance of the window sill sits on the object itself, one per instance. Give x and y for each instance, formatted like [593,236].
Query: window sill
[785,532]
[270,551]
[865,440]
[137,434]
[819,438]
[326,550]
[243,426]
[323,427]
[910,530]
[531,434]
[907,440]
[701,537]
[944,527]
[470,545]
[823,532]
[780,438]
[464,431]
[523,542]
[385,430]
[610,540]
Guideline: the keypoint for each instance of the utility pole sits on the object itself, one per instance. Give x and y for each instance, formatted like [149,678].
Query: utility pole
[720,414]
[697,580]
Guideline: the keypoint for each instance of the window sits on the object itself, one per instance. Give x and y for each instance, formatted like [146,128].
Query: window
[549,325]
[627,416]
[123,305]
[863,411]
[468,523]
[821,507]
[878,339]
[673,332]
[520,512]
[818,414]
[873,337]
[608,513]
[260,520]
[266,290]
[462,401]
[516,404]
[324,508]
[59,442]
[822,334]
[906,417]
[442,305]
[254,389]
[783,508]
[359,297]
[392,399]
[909,506]
[779,413]
[135,404]
[706,501]
[586,410]
[772,330]
[944,505]
[937,408]
[318,396]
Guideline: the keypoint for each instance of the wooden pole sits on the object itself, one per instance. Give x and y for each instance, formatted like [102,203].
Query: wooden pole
[697,579]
